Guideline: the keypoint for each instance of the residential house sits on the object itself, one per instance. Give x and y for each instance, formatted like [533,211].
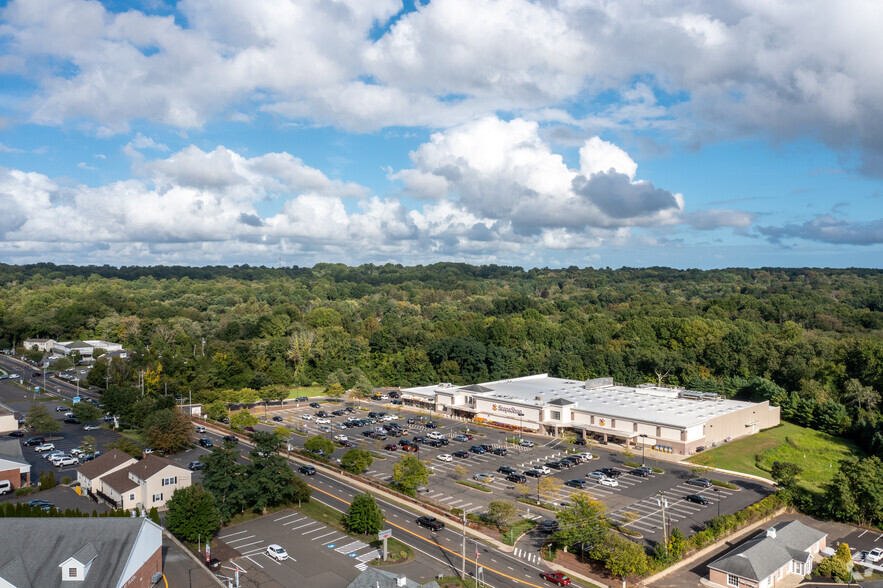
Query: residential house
[144,484]
[44,345]
[90,473]
[765,561]
[96,552]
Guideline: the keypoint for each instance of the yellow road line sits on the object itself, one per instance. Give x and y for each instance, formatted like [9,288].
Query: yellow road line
[439,545]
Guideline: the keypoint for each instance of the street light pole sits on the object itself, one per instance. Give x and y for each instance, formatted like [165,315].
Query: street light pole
[717,492]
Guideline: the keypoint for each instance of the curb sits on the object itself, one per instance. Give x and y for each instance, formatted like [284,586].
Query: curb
[192,555]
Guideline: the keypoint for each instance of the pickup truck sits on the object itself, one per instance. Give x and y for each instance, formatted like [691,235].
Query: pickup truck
[431,523]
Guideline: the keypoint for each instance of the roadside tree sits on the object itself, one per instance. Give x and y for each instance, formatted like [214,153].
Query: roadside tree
[319,445]
[39,419]
[583,522]
[168,430]
[269,479]
[408,474]
[86,412]
[356,461]
[364,515]
[223,476]
[243,419]
[87,445]
[621,557]
[501,512]
[192,514]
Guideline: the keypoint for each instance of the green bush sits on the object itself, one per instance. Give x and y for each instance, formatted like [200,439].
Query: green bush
[66,480]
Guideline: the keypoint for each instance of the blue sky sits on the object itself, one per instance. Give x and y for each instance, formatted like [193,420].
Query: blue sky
[685,134]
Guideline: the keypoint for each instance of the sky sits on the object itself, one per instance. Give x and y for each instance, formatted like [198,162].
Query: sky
[689,134]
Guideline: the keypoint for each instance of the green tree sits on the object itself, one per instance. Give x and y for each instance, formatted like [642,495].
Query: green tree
[243,419]
[154,516]
[217,410]
[408,474]
[860,395]
[621,557]
[334,390]
[364,515]
[126,446]
[269,481]
[855,493]
[833,418]
[86,412]
[356,460]
[87,445]
[582,522]
[319,445]
[224,477]
[677,544]
[785,474]
[501,512]
[168,430]
[39,419]
[192,514]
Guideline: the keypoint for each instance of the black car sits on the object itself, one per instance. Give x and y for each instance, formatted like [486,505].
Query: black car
[549,526]
[417,439]
[573,459]
[307,470]
[393,394]
[72,421]
[579,441]
[373,414]
[337,412]
[611,472]
[433,443]
[701,482]
[17,434]
[516,478]
[498,451]
[35,441]
[443,441]
[478,449]
[431,523]
[411,421]
[301,399]
[315,405]
[195,465]
[642,471]
[461,454]
[322,414]
[533,473]
[380,436]
[231,439]
[431,425]
[575,483]
[345,443]
[486,446]
[507,470]
[277,418]
[206,442]
[397,402]
[698,499]
[555,465]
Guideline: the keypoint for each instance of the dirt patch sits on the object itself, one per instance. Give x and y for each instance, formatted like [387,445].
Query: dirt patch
[222,551]
[584,567]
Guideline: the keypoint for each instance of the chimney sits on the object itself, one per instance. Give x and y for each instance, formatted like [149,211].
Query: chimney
[771,532]
[401,581]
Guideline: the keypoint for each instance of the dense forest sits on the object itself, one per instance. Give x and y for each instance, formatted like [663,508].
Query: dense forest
[806,339]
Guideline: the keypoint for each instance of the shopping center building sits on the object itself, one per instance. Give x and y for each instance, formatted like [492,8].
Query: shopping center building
[673,420]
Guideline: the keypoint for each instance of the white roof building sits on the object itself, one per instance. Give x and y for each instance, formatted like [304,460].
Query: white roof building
[669,419]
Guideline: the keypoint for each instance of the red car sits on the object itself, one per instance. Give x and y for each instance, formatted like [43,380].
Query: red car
[390,447]
[556,578]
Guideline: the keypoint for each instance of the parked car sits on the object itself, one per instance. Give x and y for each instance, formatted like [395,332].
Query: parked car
[44,447]
[431,425]
[195,465]
[52,454]
[642,471]
[345,443]
[516,478]
[701,482]
[91,428]
[300,399]
[486,478]
[277,552]
[526,443]
[444,457]
[576,483]
[478,449]
[205,442]
[875,555]
[65,460]
[608,482]
[390,447]
[410,447]
[506,470]
[430,523]
[341,438]
[543,470]
[315,405]
[556,578]
[61,408]
[460,438]
[249,429]
[34,441]
[307,470]
[498,451]
[324,429]
[611,472]
[555,465]
[533,473]
[548,526]
[698,499]
[306,417]
[72,421]
[278,418]
[461,454]
[16,434]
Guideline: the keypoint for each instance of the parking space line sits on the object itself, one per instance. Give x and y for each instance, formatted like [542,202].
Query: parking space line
[294,514]
[313,530]
[231,534]
[252,543]
[304,525]
[242,539]
[254,562]
[294,521]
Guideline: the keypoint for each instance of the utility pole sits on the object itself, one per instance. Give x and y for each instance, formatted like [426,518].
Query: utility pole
[662,501]
[463,567]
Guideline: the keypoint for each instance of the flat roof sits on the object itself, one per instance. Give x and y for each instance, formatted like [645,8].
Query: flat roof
[648,403]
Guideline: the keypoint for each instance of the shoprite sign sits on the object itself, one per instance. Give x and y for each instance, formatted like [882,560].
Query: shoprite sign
[508,409]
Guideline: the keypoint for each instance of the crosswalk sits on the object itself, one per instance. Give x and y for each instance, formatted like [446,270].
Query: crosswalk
[532,557]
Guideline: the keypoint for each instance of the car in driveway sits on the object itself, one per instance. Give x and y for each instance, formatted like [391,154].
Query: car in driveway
[701,482]
[576,483]
[91,428]
[486,478]
[278,418]
[307,470]
[461,454]
[517,478]
[205,442]
[430,523]
[557,578]
[277,552]
[608,482]
[44,447]
[507,470]
[642,471]
[195,465]
[698,499]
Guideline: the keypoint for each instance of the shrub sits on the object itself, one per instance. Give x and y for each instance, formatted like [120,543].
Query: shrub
[66,480]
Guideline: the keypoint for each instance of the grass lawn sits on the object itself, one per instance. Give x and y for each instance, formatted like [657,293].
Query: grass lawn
[134,435]
[816,452]
[307,391]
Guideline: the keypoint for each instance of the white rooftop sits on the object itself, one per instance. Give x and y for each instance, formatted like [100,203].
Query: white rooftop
[647,403]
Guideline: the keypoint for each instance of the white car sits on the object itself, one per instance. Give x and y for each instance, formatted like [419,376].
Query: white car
[65,460]
[435,435]
[352,418]
[341,438]
[444,457]
[596,475]
[875,555]
[199,428]
[586,456]
[323,421]
[69,414]
[277,552]
[77,451]
[52,455]
[91,428]
[44,447]
[543,470]
[605,481]
[306,417]
[526,443]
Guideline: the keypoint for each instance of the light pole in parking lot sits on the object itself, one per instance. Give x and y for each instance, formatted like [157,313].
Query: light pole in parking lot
[718,496]
[643,445]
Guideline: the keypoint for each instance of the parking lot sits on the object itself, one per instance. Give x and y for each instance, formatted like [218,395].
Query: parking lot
[635,500]
[319,555]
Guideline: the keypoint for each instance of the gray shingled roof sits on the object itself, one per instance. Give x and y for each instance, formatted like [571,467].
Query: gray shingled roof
[111,540]
[759,557]
[120,481]
[11,449]
[103,463]
[377,578]
[150,465]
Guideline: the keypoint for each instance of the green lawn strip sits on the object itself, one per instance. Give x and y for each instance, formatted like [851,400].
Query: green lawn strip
[475,485]
[133,435]
[724,484]
[533,502]
[816,452]
[307,391]
[396,552]
[455,582]
[517,529]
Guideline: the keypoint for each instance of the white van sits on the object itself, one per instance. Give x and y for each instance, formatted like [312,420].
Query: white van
[5,487]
